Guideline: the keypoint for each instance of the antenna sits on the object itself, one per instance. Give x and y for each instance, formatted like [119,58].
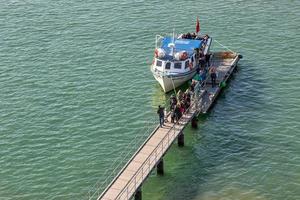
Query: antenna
[172,45]
[174,36]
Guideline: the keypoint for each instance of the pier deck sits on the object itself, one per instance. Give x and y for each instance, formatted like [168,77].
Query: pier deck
[137,169]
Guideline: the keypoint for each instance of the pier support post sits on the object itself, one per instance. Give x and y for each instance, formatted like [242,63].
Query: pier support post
[160,167]
[138,194]
[181,139]
[194,122]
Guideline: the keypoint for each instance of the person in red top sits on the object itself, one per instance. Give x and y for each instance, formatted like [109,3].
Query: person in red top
[182,109]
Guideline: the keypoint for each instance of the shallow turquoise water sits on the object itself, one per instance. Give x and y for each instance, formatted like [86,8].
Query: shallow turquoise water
[76,90]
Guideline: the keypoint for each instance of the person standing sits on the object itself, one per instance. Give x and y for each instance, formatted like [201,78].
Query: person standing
[173,102]
[202,75]
[207,59]
[213,76]
[202,60]
[179,95]
[173,115]
[161,114]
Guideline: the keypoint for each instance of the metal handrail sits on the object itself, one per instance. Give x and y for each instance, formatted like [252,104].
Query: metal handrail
[117,167]
[125,189]
[142,167]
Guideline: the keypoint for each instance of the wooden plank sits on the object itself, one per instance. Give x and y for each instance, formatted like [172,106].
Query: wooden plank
[119,184]
[147,149]
[111,193]
[140,158]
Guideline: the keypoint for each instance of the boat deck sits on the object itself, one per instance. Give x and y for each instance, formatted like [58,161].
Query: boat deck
[225,67]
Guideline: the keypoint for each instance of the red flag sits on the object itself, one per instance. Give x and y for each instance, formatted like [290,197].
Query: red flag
[198,26]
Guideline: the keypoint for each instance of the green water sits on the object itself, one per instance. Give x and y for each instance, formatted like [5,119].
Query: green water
[76,90]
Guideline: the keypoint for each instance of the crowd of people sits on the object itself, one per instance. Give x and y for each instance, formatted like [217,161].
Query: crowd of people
[179,104]
[194,36]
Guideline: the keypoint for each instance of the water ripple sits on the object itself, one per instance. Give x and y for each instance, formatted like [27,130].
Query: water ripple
[76,90]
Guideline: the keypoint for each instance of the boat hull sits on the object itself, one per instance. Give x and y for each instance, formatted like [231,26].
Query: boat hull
[169,82]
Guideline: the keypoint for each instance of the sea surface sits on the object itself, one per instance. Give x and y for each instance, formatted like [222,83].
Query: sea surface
[77,98]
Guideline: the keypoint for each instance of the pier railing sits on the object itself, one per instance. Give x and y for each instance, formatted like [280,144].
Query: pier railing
[125,156]
[148,165]
[155,156]
[119,163]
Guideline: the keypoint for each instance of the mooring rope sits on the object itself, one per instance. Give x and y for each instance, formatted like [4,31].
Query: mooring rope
[173,85]
[224,46]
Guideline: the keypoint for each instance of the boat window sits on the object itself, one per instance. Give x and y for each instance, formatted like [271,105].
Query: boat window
[168,65]
[177,65]
[186,64]
[158,63]
[192,58]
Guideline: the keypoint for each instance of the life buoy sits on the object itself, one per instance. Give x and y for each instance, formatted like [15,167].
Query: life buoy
[183,55]
[156,53]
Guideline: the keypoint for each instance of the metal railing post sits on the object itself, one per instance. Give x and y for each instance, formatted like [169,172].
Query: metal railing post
[135,183]
[142,172]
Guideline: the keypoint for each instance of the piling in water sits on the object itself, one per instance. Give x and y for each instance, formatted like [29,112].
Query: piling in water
[181,139]
[138,194]
[160,167]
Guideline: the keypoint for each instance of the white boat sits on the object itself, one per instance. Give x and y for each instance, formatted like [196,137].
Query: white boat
[176,59]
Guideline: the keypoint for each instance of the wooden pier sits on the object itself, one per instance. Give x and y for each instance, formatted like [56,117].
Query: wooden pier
[127,184]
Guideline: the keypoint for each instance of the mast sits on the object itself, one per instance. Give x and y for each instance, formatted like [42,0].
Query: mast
[172,45]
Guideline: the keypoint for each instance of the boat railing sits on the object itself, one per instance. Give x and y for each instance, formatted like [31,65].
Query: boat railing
[158,39]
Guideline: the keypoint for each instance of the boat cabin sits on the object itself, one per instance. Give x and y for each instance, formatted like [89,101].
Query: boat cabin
[177,55]
[175,65]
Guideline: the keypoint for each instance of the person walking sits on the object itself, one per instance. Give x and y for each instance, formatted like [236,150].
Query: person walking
[161,114]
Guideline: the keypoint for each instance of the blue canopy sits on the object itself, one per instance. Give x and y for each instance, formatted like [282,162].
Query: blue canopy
[181,44]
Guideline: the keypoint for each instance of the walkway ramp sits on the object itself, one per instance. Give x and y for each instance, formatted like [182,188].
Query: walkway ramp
[144,160]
